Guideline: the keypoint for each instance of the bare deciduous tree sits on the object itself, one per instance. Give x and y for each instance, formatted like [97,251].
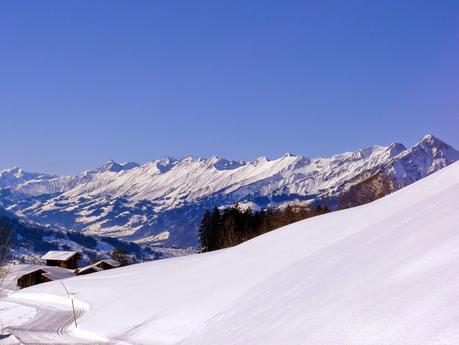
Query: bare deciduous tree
[5,237]
[5,242]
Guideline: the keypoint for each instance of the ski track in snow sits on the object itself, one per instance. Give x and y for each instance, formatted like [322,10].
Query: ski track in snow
[54,325]
[49,326]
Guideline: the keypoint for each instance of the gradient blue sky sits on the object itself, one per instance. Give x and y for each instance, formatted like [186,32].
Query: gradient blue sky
[87,81]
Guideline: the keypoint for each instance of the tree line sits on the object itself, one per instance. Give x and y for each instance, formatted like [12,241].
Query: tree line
[232,226]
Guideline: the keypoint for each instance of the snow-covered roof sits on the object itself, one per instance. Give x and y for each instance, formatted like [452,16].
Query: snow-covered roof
[16,271]
[96,266]
[59,255]
[111,262]
[56,273]
[51,272]
[27,270]
[90,267]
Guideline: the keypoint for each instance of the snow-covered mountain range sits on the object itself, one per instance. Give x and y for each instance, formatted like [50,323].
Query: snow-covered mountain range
[162,201]
[384,273]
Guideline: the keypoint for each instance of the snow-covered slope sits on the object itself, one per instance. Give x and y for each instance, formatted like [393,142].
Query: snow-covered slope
[162,201]
[383,273]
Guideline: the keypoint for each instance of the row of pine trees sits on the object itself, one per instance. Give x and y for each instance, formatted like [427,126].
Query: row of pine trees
[232,226]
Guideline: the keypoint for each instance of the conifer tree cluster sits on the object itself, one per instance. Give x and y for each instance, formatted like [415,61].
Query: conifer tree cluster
[122,256]
[232,226]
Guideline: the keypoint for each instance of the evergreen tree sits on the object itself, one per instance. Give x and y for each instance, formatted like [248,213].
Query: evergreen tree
[204,231]
[122,256]
[228,234]
[213,237]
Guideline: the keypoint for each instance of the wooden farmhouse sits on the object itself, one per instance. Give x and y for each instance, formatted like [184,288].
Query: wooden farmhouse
[101,265]
[64,259]
[108,264]
[34,274]
[29,277]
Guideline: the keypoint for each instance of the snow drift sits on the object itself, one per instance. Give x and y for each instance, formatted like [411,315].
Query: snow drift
[383,273]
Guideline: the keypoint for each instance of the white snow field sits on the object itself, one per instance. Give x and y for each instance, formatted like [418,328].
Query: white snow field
[383,273]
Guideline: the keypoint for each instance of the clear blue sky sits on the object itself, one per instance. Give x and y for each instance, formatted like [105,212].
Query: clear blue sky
[82,82]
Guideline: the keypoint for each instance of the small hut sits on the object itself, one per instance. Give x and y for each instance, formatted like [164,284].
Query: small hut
[89,269]
[30,276]
[64,259]
[101,265]
[56,273]
[36,274]
[108,264]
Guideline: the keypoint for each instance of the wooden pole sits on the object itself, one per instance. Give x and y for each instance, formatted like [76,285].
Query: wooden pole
[68,294]
[74,314]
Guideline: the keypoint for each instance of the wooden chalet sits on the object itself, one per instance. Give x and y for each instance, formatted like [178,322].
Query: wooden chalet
[64,259]
[32,276]
[88,269]
[36,274]
[108,264]
[101,265]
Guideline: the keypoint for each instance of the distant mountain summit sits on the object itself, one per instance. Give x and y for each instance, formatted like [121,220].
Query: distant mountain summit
[16,176]
[116,167]
[162,201]
[403,168]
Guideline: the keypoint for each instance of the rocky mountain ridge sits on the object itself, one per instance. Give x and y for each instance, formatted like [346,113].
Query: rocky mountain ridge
[161,202]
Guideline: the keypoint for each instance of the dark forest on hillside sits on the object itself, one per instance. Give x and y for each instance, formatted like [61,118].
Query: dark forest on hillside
[232,226]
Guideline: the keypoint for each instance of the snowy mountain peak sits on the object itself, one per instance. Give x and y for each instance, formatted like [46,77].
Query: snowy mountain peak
[260,160]
[17,172]
[432,143]
[113,166]
[395,148]
[16,176]
[434,148]
[190,159]
[430,138]
[224,164]
[165,164]
[167,160]
[367,152]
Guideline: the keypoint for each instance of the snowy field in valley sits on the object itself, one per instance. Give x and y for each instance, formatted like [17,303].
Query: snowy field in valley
[383,273]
